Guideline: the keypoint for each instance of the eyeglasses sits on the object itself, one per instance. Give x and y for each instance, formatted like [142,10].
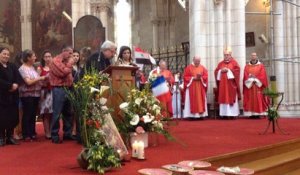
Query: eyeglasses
[113,51]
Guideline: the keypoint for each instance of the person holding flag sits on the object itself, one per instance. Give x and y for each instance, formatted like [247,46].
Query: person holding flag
[161,87]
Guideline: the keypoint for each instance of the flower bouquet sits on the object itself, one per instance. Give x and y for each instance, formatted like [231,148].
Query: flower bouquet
[91,110]
[142,113]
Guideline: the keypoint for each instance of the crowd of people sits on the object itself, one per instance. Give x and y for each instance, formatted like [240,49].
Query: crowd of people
[28,90]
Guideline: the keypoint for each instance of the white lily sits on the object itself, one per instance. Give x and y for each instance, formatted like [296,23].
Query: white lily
[135,120]
[138,101]
[103,101]
[123,106]
[147,118]
[156,107]
[104,108]
[94,90]
[103,89]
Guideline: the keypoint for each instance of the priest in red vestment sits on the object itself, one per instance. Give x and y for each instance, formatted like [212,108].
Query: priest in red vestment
[166,102]
[195,85]
[227,75]
[254,82]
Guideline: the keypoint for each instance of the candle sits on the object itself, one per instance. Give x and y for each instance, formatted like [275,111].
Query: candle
[140,150]
[134,149]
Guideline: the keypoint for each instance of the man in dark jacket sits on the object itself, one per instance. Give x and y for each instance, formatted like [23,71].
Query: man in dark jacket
[100,60]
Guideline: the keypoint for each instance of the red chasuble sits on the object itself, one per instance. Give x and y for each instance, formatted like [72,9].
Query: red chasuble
[197,90]
[228,89]
[253,98]
[167,102]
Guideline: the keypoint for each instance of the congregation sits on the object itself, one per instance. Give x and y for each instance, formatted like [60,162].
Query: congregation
[28,89]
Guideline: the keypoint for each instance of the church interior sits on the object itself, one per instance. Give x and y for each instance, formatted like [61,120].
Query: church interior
[175,32]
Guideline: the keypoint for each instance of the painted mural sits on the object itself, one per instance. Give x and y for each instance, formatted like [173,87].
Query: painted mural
[10,26]
[51,30]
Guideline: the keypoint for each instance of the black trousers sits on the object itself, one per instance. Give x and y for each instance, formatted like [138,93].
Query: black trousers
[30,106]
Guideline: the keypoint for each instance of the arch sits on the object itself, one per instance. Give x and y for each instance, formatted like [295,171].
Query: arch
[89,31]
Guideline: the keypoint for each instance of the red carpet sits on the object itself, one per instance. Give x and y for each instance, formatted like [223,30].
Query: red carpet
[202,138]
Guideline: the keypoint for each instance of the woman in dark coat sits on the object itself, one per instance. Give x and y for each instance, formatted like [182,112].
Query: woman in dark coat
[9,97]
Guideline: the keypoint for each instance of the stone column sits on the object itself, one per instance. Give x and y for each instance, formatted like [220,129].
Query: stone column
[238,34]
[212,53]
[228,22]
[279,45]
[171,21]
[288,51]
[155,25]
[296,51]
[100,9]
[26,24]
[197,29]
[294,47]
[123,23]
[220,32]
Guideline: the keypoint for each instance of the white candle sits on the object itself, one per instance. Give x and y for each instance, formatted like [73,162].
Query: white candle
[134,149]
[141,152]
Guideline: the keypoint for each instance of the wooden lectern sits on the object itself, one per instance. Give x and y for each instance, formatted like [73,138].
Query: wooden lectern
[123,80]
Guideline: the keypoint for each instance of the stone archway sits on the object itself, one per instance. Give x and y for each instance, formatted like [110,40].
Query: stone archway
[89,31]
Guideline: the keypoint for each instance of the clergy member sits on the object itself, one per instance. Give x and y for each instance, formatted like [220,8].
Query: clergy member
[254,82]
[227,75]
[166,101]
[195,85]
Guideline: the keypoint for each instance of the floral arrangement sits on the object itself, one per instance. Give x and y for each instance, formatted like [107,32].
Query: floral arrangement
[91,109]
[142,113]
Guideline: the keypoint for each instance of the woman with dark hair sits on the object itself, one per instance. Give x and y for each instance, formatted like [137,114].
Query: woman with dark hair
[46,93]
[30,93]
[9,98]
[124,57]
[76,68]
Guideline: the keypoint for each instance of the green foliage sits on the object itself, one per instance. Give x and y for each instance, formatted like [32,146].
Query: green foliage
[91,109]
[272,111]
[270,93]
[102,157]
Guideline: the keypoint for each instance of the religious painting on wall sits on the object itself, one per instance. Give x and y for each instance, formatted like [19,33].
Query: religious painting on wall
[10,25]
[50,29]
[90,32]
[250,39]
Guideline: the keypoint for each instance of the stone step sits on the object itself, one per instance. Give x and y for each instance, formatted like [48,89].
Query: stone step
[295,172]
[276,159]
[276,164]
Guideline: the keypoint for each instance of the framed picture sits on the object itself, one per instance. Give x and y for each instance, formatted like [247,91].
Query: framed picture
[250,39]
[113,137]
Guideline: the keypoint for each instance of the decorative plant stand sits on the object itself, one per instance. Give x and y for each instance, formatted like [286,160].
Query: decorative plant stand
[272,112]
